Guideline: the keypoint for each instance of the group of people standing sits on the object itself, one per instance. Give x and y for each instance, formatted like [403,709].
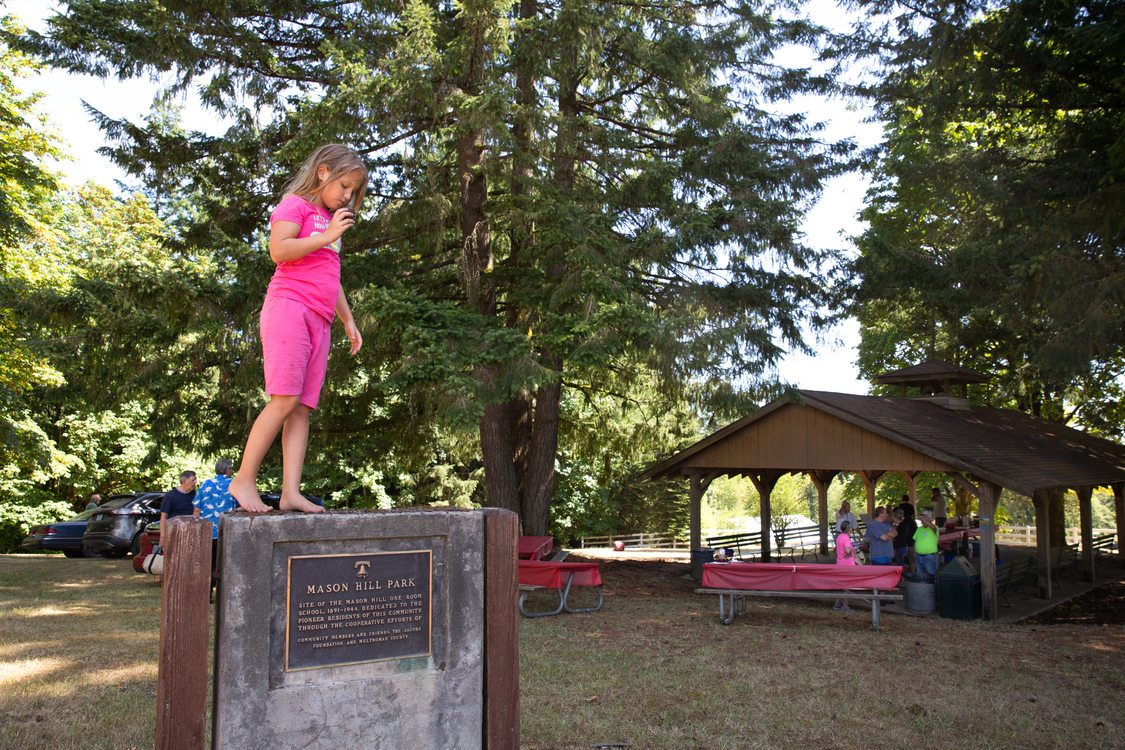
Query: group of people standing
[894,536]
[211,498]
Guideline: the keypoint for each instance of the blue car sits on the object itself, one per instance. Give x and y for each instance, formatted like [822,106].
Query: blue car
[62,536]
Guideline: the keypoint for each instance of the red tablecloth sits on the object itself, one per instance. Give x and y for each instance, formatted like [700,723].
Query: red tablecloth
[782,577]
[534,547]
[946,537]
[553,574]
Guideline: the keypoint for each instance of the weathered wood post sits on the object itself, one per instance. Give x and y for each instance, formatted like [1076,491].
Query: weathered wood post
[821,480]
[181,683]
[764,482]
[988,495]
[501,634]
[1042,501]
[1086,521]
[1119,515]
[870,480]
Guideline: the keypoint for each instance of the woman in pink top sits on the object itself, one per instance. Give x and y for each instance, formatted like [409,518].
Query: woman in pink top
[303,298]
[845,555]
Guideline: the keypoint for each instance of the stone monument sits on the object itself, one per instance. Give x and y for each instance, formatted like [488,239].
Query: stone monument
[352,629]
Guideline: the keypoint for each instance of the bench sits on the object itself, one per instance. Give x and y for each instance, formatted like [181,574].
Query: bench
[733,582]
[751,541]
[803,539]
[1104,543]
[1014,574]
[1064,558]
[537,575]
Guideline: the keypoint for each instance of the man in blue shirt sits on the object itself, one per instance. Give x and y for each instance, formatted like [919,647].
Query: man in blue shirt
[177,501]
[212,497]
[880,536]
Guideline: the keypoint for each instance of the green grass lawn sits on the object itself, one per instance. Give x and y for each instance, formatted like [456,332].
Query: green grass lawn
[78,651]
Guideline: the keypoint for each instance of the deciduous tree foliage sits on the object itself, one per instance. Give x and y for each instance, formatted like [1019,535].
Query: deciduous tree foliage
[565,194]
[997,220]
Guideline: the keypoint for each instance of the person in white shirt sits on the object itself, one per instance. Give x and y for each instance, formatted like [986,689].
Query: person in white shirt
[845,514]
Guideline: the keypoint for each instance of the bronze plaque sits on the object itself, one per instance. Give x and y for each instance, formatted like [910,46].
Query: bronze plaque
[349,609]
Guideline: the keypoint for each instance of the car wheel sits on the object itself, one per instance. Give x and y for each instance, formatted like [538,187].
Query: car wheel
[136,547]
[74,553]
[87,552]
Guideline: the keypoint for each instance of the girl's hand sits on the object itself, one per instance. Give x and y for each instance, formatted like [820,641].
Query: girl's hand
[353,336]
[342,221]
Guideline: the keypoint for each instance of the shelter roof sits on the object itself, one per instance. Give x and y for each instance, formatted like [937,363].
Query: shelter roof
[1010,448]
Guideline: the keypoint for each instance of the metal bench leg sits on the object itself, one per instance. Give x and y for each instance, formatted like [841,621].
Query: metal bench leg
[525,613]
[875,610]
[726,617]
[566,595]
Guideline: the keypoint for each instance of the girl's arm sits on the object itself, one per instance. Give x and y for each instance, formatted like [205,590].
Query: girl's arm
[345,313]
[286,246]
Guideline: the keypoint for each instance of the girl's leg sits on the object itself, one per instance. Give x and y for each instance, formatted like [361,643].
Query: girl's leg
[294,441]
[244,486]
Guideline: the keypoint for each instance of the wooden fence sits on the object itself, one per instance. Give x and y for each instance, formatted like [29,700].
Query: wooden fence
[1025,535]
[649,541]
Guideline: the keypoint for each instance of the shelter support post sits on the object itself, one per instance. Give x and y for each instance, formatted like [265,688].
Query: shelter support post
[1086,520]
[821,479]
[699,484]
[869,479]
[1042,502]
[911,488]
[764,484]
[1119,513]
[988,497]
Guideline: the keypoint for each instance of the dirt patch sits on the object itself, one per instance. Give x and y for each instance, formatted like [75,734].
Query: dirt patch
[643,578]
[1104,605]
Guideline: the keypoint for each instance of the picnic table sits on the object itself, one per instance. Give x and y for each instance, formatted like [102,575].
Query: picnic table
[534,547]
[537,575]
[950,539]
[733,582]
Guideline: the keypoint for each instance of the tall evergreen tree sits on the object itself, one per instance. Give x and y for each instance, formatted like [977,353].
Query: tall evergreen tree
[997,220]
[564,193]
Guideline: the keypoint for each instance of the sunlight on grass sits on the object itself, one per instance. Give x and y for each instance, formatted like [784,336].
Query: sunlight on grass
[132,673]
[49,611]
[24,671]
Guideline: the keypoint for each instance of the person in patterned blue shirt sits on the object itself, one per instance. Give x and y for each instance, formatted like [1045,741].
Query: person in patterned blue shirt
[212,497]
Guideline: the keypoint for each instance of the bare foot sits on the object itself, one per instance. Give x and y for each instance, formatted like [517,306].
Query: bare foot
[298,502]
[246,493]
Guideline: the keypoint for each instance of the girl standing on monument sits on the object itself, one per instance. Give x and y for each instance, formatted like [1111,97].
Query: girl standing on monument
[303,297]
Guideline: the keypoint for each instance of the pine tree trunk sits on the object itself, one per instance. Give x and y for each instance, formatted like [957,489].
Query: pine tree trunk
[500,479]
[539,484]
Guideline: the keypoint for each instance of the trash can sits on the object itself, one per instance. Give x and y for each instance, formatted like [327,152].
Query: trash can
[959,590]
[919,592]
[699,556]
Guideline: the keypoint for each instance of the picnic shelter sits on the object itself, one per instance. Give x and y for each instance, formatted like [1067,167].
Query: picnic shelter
[824,434]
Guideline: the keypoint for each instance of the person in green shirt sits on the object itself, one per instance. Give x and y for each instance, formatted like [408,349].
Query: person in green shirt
[925,543]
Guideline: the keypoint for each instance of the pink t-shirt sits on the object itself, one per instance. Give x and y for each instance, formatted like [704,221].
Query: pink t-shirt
[843,546]
[313,280]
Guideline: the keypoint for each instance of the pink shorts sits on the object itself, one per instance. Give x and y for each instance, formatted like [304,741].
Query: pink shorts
[295,343]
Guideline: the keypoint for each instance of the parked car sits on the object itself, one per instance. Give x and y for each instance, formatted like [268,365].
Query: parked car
[151,536]
[115,527]
[61,536]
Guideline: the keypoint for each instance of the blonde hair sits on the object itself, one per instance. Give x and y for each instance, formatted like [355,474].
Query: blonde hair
[340,160]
